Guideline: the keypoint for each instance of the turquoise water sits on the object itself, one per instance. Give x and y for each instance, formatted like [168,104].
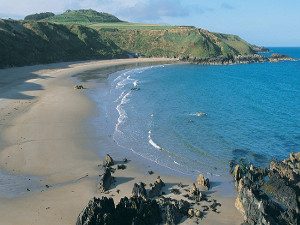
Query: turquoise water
[193,118]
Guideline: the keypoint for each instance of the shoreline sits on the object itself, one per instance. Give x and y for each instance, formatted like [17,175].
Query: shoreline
[45,138]
[222,184]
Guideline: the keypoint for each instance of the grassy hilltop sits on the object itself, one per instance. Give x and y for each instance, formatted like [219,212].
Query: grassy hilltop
[87,34]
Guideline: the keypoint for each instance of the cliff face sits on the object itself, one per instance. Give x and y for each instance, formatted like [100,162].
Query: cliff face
[269,195]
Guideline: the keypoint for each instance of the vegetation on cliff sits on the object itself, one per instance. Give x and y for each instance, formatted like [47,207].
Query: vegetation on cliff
[39,16]
[27,43]
[87,34]
[83,16]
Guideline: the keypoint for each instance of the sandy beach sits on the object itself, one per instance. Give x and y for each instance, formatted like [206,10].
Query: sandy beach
[46,141]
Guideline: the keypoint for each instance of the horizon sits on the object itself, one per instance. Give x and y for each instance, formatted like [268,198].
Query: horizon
[259,22]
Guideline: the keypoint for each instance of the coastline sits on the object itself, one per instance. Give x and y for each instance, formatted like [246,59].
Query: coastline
[46,139]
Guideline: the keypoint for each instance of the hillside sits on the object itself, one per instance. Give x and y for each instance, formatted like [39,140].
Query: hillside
[27,43]
[39,16]
[83,16]
[176,42]
[78,35]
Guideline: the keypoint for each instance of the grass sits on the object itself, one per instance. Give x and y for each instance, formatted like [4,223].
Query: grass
[87,34]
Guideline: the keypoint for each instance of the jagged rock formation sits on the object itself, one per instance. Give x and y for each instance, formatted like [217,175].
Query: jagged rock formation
[130,211]
[173,210]
[203,182]
[106,180]
[108,161]
[269,196]
[156,188]
[139,191]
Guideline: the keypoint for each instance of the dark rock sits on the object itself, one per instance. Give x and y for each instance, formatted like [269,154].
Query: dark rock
[106,179]
[174,210]
[157,188]
[78,87]
[194,193]
[173,215]
[270,196]
[98,211]
[125,160]
[135,89]
[108,161]
[131,211]
[150,172]
[139,190]
[137,211]
[175,191]
[121,167]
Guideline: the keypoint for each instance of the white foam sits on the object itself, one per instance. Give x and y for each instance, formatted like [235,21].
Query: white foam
[122,113]
[198,114]
[135,83]
[151,142]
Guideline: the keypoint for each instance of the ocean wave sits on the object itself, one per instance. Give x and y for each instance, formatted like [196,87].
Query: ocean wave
[122,113]
[151,142]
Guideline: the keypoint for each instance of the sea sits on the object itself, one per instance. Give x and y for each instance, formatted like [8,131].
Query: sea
[195,119]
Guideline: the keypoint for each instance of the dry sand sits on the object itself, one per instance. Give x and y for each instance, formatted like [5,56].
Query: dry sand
[45,138]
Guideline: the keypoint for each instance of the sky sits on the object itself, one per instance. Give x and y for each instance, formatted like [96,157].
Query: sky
[262,22]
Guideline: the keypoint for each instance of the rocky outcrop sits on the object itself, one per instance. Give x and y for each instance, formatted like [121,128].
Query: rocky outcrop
[156,188]
[108,161]
[174,210]
[139,190]
[106,179]
[237,59]
[139,209]
[203,182]
[271,195]
[130,211]
[279,57]
[260,48]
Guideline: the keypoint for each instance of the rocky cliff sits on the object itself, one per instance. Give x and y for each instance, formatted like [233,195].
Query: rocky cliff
[269,195]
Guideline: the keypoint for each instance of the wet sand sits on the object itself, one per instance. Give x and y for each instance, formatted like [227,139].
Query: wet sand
[46,141]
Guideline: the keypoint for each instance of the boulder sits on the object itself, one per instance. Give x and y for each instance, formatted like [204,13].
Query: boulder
[191,213]
[156,188]
[121,167]
[78,87]
[106,179]
[198,213]
[203,182]
[108,161]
